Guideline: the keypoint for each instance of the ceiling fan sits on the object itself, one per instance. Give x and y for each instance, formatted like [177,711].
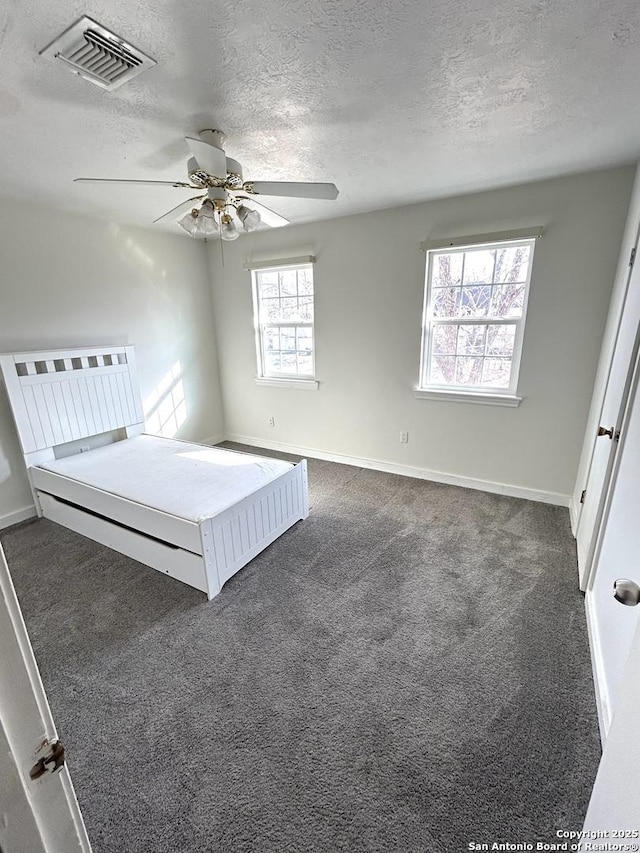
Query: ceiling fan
[222,204]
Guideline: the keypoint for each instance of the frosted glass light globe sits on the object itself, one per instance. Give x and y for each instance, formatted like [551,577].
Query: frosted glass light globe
[189,223]
[228,230]
[250,218]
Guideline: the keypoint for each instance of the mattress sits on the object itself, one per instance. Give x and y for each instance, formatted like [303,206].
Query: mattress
[191,481]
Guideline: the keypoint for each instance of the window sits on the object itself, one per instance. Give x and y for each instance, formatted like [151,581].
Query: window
[283,312]
[475,305]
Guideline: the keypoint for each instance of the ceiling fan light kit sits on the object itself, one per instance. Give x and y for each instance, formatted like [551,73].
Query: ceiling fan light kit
[221,178]
[228,228]
[250,218]
[190,223]
[200,222]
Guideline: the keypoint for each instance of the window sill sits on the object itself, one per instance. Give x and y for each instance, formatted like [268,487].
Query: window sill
[485,398]
[300,384]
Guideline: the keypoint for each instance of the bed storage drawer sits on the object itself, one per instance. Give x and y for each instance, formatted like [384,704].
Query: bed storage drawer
[185,534]
[171,560]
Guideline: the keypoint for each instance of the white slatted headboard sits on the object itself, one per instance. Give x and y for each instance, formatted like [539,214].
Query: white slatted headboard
[65,395]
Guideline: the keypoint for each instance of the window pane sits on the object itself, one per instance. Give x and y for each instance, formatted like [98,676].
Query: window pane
[444,340]
[304,339]
[496,372]
[507,300]
[447,270]
[468,371]
[288,340]
[289,363]
[272,362]
[305,304]
[289,308]
[512,264]
[268,282]
[288,283]
[471,340]
[475,301]
[305,282]
[443,370]
[500,340]
[478,266]
[446,302]
[270,310]
[271,339]
[305,364]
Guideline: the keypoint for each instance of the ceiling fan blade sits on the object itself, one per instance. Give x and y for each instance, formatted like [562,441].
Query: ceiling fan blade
[142,183]
[211,159]
[292,189]
[175,212]
[269,217]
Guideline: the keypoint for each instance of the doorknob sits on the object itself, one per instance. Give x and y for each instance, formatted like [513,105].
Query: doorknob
[626,592]
[610,432]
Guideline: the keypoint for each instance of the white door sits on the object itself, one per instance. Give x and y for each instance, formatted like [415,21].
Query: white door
[610,393]
[614,808]
[612,624]
[613,405]
[38,815]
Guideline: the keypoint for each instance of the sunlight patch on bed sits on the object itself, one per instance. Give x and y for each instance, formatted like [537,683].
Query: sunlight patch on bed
[233,460]
[165,408]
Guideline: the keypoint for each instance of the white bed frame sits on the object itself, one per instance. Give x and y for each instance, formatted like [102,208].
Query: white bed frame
[64,396]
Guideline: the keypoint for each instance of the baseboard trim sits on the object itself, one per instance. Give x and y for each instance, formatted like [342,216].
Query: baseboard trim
[215,439]
[602,697]
[407,471]
[17,516]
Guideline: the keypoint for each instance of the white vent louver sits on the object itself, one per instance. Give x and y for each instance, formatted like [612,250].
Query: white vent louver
[100,56]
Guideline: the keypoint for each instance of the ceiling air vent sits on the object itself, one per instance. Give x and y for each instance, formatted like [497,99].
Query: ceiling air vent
[101,57]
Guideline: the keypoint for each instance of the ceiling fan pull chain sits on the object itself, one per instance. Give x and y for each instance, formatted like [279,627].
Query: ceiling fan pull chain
[221,240]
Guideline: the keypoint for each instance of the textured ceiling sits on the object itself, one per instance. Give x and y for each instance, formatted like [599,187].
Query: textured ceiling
[393,100]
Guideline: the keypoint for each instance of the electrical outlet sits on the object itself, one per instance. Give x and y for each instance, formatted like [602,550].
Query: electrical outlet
[272,421]
[404,437]
[85,448]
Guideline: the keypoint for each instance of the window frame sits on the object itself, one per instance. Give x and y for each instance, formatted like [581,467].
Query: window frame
[301,380]
[473,393]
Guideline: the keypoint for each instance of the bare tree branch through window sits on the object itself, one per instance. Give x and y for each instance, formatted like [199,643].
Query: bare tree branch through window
[474,315]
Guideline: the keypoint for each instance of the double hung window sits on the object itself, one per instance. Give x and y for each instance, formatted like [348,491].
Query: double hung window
[283,316]
[474,314]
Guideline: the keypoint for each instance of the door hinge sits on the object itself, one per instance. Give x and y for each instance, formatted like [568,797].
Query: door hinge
[583,495]
[52,759]
[633,257]
[611,433]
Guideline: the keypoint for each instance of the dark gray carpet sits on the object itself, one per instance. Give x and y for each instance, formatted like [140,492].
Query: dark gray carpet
[407,670]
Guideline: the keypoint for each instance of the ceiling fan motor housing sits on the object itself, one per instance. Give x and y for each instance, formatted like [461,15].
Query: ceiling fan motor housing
[219,197]
[213,137]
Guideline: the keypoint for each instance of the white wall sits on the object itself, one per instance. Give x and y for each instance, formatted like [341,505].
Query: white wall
[71,281]
[369,280]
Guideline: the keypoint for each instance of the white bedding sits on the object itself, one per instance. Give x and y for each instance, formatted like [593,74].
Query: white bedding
[191,481]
